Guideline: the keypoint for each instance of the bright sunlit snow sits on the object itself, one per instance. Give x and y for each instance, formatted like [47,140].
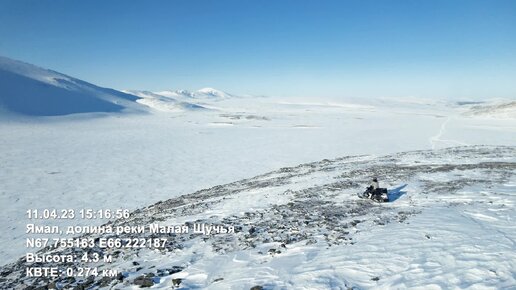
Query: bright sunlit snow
[148,147]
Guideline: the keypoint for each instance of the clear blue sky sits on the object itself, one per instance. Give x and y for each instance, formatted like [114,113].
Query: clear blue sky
[442,49]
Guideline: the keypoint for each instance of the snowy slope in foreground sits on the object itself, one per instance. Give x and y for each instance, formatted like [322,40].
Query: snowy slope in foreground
[451,225]
[30,90]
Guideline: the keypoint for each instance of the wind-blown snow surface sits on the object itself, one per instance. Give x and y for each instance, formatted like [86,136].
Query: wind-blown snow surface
[30,90]
[451,226]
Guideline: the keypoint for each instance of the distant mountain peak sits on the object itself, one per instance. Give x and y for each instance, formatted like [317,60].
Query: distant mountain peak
[184,93]
[204,93]
[211,92]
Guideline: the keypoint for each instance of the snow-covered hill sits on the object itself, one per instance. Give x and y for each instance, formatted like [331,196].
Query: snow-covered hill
[496,110]
[30,90]
[450,225]
[209,94]
[182,100]
[212,93]
[165,103]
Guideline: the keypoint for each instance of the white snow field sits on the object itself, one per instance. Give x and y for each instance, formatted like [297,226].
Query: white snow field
[107,149]
[450,225]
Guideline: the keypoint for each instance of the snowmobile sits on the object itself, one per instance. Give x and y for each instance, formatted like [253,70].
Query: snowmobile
[378,195]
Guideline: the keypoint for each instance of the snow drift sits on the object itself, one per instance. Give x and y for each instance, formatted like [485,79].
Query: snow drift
[30,90]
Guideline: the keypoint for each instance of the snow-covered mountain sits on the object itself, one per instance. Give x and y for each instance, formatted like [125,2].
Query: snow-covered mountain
[212,93]
[30,90]
[202,94]
[181,100]
[26,89]
[165,103]
[175,94]
[449,223]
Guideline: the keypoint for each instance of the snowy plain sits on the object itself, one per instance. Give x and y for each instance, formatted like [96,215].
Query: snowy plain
[181,144]
[133,160]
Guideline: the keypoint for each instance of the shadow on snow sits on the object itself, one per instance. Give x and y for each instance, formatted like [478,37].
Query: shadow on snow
[395,194]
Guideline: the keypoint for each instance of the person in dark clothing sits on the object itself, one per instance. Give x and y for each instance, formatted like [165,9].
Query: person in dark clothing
[375,184]
[375,190]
